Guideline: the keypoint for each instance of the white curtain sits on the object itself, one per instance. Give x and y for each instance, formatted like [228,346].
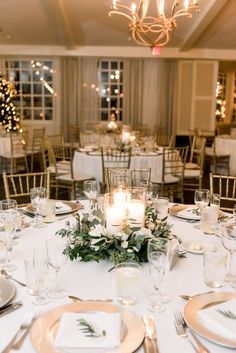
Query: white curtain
[149,86]
[78,91]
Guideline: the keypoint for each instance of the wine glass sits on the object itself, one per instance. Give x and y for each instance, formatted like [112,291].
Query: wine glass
[229,243]
[8,204]
[201,198]
[9,218]
[158,265]
[56,259]
[90,191]
[41,275]
[37,196]
[151,190]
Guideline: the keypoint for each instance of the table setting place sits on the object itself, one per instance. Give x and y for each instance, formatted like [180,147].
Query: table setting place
[120,272]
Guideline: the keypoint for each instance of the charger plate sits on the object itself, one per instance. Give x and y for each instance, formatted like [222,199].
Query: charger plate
[7,291]
[203,301]
[73,207]
[44,330]
[174,211]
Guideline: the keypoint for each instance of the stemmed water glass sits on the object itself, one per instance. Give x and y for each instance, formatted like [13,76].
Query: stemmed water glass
[201,198]
[41,275]
[229,243]
[8,204]
[37,196]
[9,218]
[158,265]
[91,192]
[56,259]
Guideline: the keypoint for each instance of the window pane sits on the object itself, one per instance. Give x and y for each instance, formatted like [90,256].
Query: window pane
[26,114]
[104,76]
[37,88]
[25,76]
[14,64]
[47,76]
[36,75]
[104,65]
[105,103]
[48,102]
[17,101]
[26,65]
[26,88]
[48,64]
[38,114]
[37,101]
[113,103]
[104,115]
[48,114]
[26,101]
[114,65]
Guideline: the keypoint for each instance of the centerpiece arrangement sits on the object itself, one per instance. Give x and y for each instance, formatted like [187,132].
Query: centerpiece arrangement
[120,232]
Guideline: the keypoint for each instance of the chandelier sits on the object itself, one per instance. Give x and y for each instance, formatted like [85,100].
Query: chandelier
[153,31]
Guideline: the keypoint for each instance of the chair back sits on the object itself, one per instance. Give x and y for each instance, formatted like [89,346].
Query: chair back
[90,138]
[17,186]
[37,138]
[197,151]
[164,140]
[226,187]
[74,134]
[18,153]
[56,140]
[117,178]
[114,158]
[139,176]
[174,160]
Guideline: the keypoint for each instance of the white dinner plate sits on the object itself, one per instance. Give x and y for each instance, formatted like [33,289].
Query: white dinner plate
[7,291]
[132,328]
[203,301]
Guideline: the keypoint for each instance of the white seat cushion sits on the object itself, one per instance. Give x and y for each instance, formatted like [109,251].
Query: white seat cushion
[192,173]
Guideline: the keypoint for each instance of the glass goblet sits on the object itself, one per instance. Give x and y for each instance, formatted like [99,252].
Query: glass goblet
[56,259]
[9,218]
[8,204]
[37,196]
[90,191]
[157,268]
[201,198]
[41,273]
[229,243]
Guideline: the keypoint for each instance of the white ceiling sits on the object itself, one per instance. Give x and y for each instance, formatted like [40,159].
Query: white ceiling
[73,24]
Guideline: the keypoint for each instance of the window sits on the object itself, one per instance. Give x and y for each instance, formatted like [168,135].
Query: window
[110,78]
[34,83]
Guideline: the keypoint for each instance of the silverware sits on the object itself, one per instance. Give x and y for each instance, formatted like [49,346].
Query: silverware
[183,330]
[78,299]
[18,343]
[150,340]
[9,308]
[8,276]
[26,213]
[24,327]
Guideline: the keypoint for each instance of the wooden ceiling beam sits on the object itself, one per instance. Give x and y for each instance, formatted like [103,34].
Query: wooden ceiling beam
[55,11]
[202,21]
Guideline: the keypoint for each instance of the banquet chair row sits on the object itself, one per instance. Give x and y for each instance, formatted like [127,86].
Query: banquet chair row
[33,147]
[226,187]
[17,186]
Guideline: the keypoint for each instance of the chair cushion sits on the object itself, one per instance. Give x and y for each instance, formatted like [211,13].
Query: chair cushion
[192,173]
[191,166]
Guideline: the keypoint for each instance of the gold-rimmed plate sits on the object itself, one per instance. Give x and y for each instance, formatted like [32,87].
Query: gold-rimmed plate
[132,328]
[70,207]
[176,209]
[7,291]
[203,301]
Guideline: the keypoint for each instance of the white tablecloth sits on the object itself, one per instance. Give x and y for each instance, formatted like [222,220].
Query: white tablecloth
[227,145]
[91,165]
[92,280]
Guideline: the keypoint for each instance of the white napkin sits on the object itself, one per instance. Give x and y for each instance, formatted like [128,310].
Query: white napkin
[189,212]
[70,335]
[61,207]
[218,323]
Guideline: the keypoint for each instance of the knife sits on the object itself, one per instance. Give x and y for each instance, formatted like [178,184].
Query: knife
[9,308]
[26,213]
[150,340]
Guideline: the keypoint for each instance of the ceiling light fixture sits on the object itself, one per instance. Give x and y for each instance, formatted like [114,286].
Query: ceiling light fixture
[148,30]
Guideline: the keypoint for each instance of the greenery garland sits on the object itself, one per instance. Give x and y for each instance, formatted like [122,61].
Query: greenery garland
[89,240]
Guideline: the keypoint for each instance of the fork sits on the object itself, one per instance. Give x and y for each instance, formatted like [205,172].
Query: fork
[182,332]
[18,343]
[25,326]
[184,329]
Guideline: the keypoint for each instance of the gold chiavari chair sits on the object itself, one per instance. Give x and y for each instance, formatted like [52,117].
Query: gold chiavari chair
[194,168]
[17,157]
[90,138]
[219,161]
[226,187]
[114,158]
[139,176]
[173,167]
[17,186]
[34,149]
[164,140]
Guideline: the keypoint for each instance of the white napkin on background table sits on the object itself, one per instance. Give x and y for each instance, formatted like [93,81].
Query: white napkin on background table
[218,323]
[61,207]
[189,213]
[70,335]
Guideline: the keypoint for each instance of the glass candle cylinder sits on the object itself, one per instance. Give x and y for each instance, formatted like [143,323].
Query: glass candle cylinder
[136,207]
[115,211]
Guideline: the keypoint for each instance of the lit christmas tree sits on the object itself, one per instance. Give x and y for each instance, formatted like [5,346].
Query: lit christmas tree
[8,116]
[220,103]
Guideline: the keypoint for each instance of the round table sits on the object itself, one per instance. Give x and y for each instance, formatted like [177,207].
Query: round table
[93,280]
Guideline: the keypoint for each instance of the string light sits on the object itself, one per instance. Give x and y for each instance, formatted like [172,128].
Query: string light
[38,64]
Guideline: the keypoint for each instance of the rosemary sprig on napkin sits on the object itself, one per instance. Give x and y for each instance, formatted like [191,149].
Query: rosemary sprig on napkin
[227,313]
[89,329]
